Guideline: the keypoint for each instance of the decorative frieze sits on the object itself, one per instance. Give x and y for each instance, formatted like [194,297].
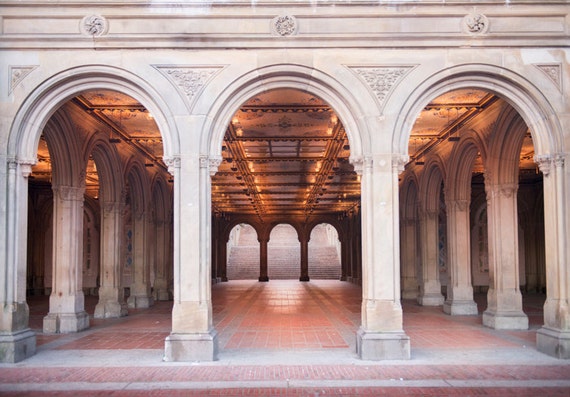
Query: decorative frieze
[189,80]
[18,74]
[381,80]
[284,25]
[553,71]
[94,25]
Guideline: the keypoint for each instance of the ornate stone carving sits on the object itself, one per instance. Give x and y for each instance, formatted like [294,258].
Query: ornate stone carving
[399,162]
[94,25]
[553,71]
[69,193]
[284,25]
[18,74]
[381,80]
[213,164]
[476,23]
[190,80]
[544,162]
[172,163]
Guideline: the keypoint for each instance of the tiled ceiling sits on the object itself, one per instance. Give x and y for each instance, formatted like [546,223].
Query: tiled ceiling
[285,152]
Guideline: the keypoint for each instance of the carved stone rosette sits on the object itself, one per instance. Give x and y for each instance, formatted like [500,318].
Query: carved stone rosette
[475,24]
[94,25]
[284,25]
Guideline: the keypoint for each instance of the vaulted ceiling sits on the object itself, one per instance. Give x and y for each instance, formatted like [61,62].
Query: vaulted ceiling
[285,151]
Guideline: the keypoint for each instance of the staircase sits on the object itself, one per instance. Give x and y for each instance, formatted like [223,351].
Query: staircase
[283,257]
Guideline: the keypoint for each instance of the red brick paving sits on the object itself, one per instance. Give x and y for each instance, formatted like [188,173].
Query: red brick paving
[287,316]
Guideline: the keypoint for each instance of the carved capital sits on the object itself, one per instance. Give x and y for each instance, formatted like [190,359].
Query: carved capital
[399,162]
[544,162]
[213,165]
[457,205]
[173,163]
[69,193]
[111,207]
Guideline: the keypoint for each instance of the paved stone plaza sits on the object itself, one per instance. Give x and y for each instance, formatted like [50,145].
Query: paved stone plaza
[286,338]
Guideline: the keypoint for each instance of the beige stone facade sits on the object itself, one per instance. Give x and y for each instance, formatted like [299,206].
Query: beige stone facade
[481,203]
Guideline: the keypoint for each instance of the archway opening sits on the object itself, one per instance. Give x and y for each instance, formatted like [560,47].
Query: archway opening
[99,172]
[324,253]
[490,202]
[285,168]
[243,253]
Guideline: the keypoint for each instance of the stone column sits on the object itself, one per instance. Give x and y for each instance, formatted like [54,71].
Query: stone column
[343,256]
[67,302]
[460,290]
[381,335]
[111,295]
[430,287]
[304,258]
[409,259]
[504,299]
[193,337]
[17,340]
[222,257]
[140,296]
[554,336]
[263,259]
[160,282]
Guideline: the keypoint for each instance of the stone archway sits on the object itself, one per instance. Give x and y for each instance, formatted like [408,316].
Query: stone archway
[27,127]
[537,113]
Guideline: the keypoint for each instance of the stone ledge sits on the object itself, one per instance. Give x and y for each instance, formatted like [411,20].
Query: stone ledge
[382,345]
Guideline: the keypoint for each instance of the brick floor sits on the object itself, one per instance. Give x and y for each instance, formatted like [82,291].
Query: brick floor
[286,338]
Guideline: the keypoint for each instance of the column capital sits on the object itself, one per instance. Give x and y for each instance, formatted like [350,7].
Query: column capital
[173,163]
[69,193]
[547,161]
[457,205]
[399,161]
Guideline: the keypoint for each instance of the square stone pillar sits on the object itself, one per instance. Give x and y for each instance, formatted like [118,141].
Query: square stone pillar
[504,299]
[111,300]
[459,291]
[381,335]
[17,340]
[554,336]
[193,337]
[430,286]
[409,260]
[67,302]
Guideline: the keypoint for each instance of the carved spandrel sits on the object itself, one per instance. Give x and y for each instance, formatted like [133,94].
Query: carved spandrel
[189,80]
[381,80]
[18,74]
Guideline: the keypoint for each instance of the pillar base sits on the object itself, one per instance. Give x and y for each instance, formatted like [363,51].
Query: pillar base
[263,279]
[382,345]
[304,278]
[191,347]
[553,342]
[162,295]
[17,346]
[110,310]
[505,320]
[410,294]
[63,323]
[460,308]
[140,302]
[431,300]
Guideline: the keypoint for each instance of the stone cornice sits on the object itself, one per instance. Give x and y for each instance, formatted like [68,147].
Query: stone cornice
[337,24]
